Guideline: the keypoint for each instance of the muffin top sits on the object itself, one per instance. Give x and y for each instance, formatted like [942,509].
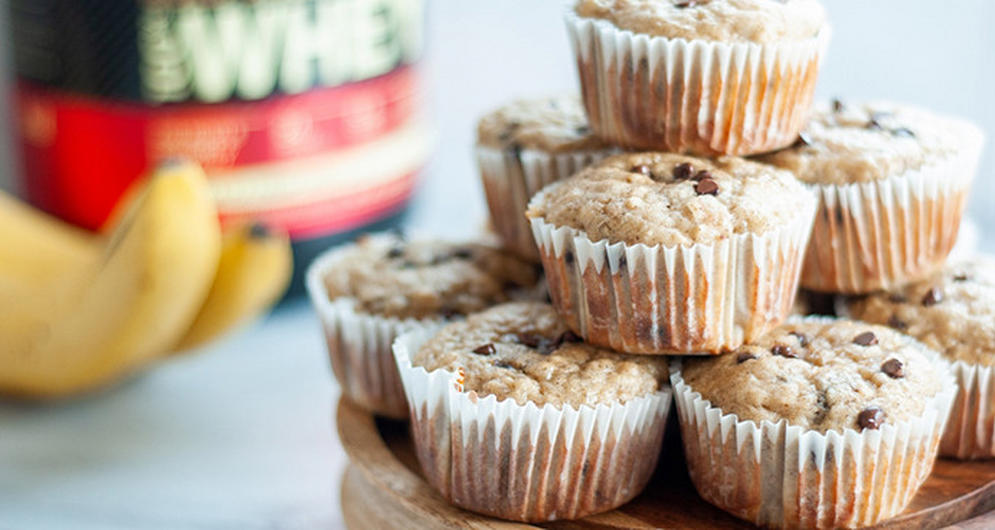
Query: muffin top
[668,199]
[390,276]
[821,375]
[953,311]
[862,142]
[523,351]
[758,21]
[551,124]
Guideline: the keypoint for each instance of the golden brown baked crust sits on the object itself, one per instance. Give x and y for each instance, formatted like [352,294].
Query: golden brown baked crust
[952,311]
[821,376]
[667,199]
[760,21]
[390,276]
[524,352]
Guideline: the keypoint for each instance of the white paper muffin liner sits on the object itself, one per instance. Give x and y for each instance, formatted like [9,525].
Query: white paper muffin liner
[970,433]
[526,462]
[510,179]
[783,476]
[701,298]
[359,344]
[699,97]
[886,233]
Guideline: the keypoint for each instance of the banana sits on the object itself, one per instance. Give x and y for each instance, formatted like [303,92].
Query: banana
[253,273]
[131,304]
[37,248]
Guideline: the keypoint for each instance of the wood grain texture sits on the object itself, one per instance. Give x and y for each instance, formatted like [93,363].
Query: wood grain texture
[384,489]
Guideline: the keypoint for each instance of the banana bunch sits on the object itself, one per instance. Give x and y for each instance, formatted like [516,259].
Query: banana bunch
[79,311]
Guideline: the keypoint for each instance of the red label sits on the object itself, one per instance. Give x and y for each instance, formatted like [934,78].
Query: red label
[80,153]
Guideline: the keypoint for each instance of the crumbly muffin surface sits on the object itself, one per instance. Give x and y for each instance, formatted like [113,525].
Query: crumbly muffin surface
[390,276]
[862,142]
[952,312]
[760,21]
[668,199]
[523,351]
[820,376]
[551,124]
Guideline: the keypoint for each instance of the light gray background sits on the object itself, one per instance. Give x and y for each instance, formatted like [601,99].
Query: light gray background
[241,436]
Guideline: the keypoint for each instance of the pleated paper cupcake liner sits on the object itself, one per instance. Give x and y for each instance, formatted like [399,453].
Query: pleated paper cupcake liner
[702,298]
[970,433]
[511,178]
[699,97]
[887,233]
[526,462]
[359,344]
[782,476]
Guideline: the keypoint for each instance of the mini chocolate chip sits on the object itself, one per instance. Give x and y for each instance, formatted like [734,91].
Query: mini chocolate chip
[706,187]
[897,298]
[745,356]
[893,368]
[683,171]
[462,253]
[838,106]
[702,175]
[870,418]
[528,339]
[486,349]
[903,132]
[961,277]
[642,169]
[582,130]
[686,3]
[802,339]
[784,351]
[897,323]
[395,252]
[932,297]
[867,338]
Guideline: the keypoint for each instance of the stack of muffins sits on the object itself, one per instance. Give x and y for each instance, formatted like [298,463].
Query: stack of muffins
[672,265]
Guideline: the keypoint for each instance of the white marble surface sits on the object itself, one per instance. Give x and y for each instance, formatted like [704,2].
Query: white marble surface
[241,436]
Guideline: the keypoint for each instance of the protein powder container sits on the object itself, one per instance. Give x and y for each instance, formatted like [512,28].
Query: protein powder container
[305,113]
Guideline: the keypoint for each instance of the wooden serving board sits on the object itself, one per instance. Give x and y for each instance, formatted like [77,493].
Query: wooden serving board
[383,488]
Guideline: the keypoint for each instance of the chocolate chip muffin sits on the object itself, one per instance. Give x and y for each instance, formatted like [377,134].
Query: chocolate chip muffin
[816,405]
[664,253]
[509,435]
[524,146]
[889,178]
[650,80]
[523,351]
[953,312]
[371,291]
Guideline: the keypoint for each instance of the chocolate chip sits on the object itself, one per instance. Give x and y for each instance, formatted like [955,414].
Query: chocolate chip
[802,339]
[642,169]
[867,338]
[932,297]
[486,349]
[707,187]
[783,350]
[683,171]
[686,3]
[702,175]
[838,106]
[743,357]
[903,132]
[961,277]
[529,339]
[893,368]
[395,252]
[870,418]
[897,298]
[897,323]
[582,130]
[462,253]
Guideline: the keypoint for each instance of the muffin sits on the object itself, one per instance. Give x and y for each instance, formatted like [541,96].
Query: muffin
[514,417]
[664,253]
[892,182]
[819,424]
[369,292]
[953,312]
[702,77]
[524,146]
